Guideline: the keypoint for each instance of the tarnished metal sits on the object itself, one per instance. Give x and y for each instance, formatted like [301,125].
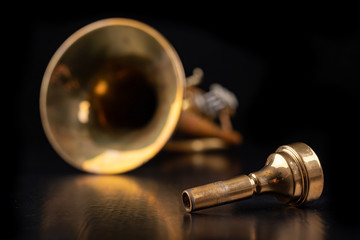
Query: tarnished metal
[292,174]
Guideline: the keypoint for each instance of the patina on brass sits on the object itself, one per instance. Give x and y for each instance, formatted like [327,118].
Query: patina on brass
[292,174]
[113,94]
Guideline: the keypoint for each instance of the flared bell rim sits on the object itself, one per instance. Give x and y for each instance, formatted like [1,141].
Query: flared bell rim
[116,161]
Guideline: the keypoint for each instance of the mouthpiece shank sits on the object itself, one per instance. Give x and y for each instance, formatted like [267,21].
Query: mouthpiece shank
[218,193]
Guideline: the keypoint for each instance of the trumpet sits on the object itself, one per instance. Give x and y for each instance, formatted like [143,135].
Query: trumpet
[115,94]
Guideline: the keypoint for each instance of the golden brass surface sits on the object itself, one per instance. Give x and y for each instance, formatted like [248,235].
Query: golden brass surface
[113,95]
[292,174]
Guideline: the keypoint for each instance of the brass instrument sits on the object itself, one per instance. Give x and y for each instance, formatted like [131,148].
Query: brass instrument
[293,174]
[115,92]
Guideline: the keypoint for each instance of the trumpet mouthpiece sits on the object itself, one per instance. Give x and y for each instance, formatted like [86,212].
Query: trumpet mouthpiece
[293,174]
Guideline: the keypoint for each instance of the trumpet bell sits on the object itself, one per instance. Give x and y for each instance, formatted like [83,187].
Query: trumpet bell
[111,96]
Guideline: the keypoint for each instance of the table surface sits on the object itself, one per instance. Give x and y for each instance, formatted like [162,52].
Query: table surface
[55,201]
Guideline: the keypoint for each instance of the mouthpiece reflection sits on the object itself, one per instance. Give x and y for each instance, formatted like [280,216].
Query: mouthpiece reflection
[286,223]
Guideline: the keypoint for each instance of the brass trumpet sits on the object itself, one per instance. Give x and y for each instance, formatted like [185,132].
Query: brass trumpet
[114,93]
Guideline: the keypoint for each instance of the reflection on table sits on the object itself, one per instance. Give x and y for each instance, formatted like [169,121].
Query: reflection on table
[279,223]
[146,204]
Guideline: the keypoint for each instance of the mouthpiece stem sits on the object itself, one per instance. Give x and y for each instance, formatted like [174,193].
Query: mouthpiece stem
[218,193]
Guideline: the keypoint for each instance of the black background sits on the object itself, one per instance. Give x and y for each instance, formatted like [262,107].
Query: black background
[295,69]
